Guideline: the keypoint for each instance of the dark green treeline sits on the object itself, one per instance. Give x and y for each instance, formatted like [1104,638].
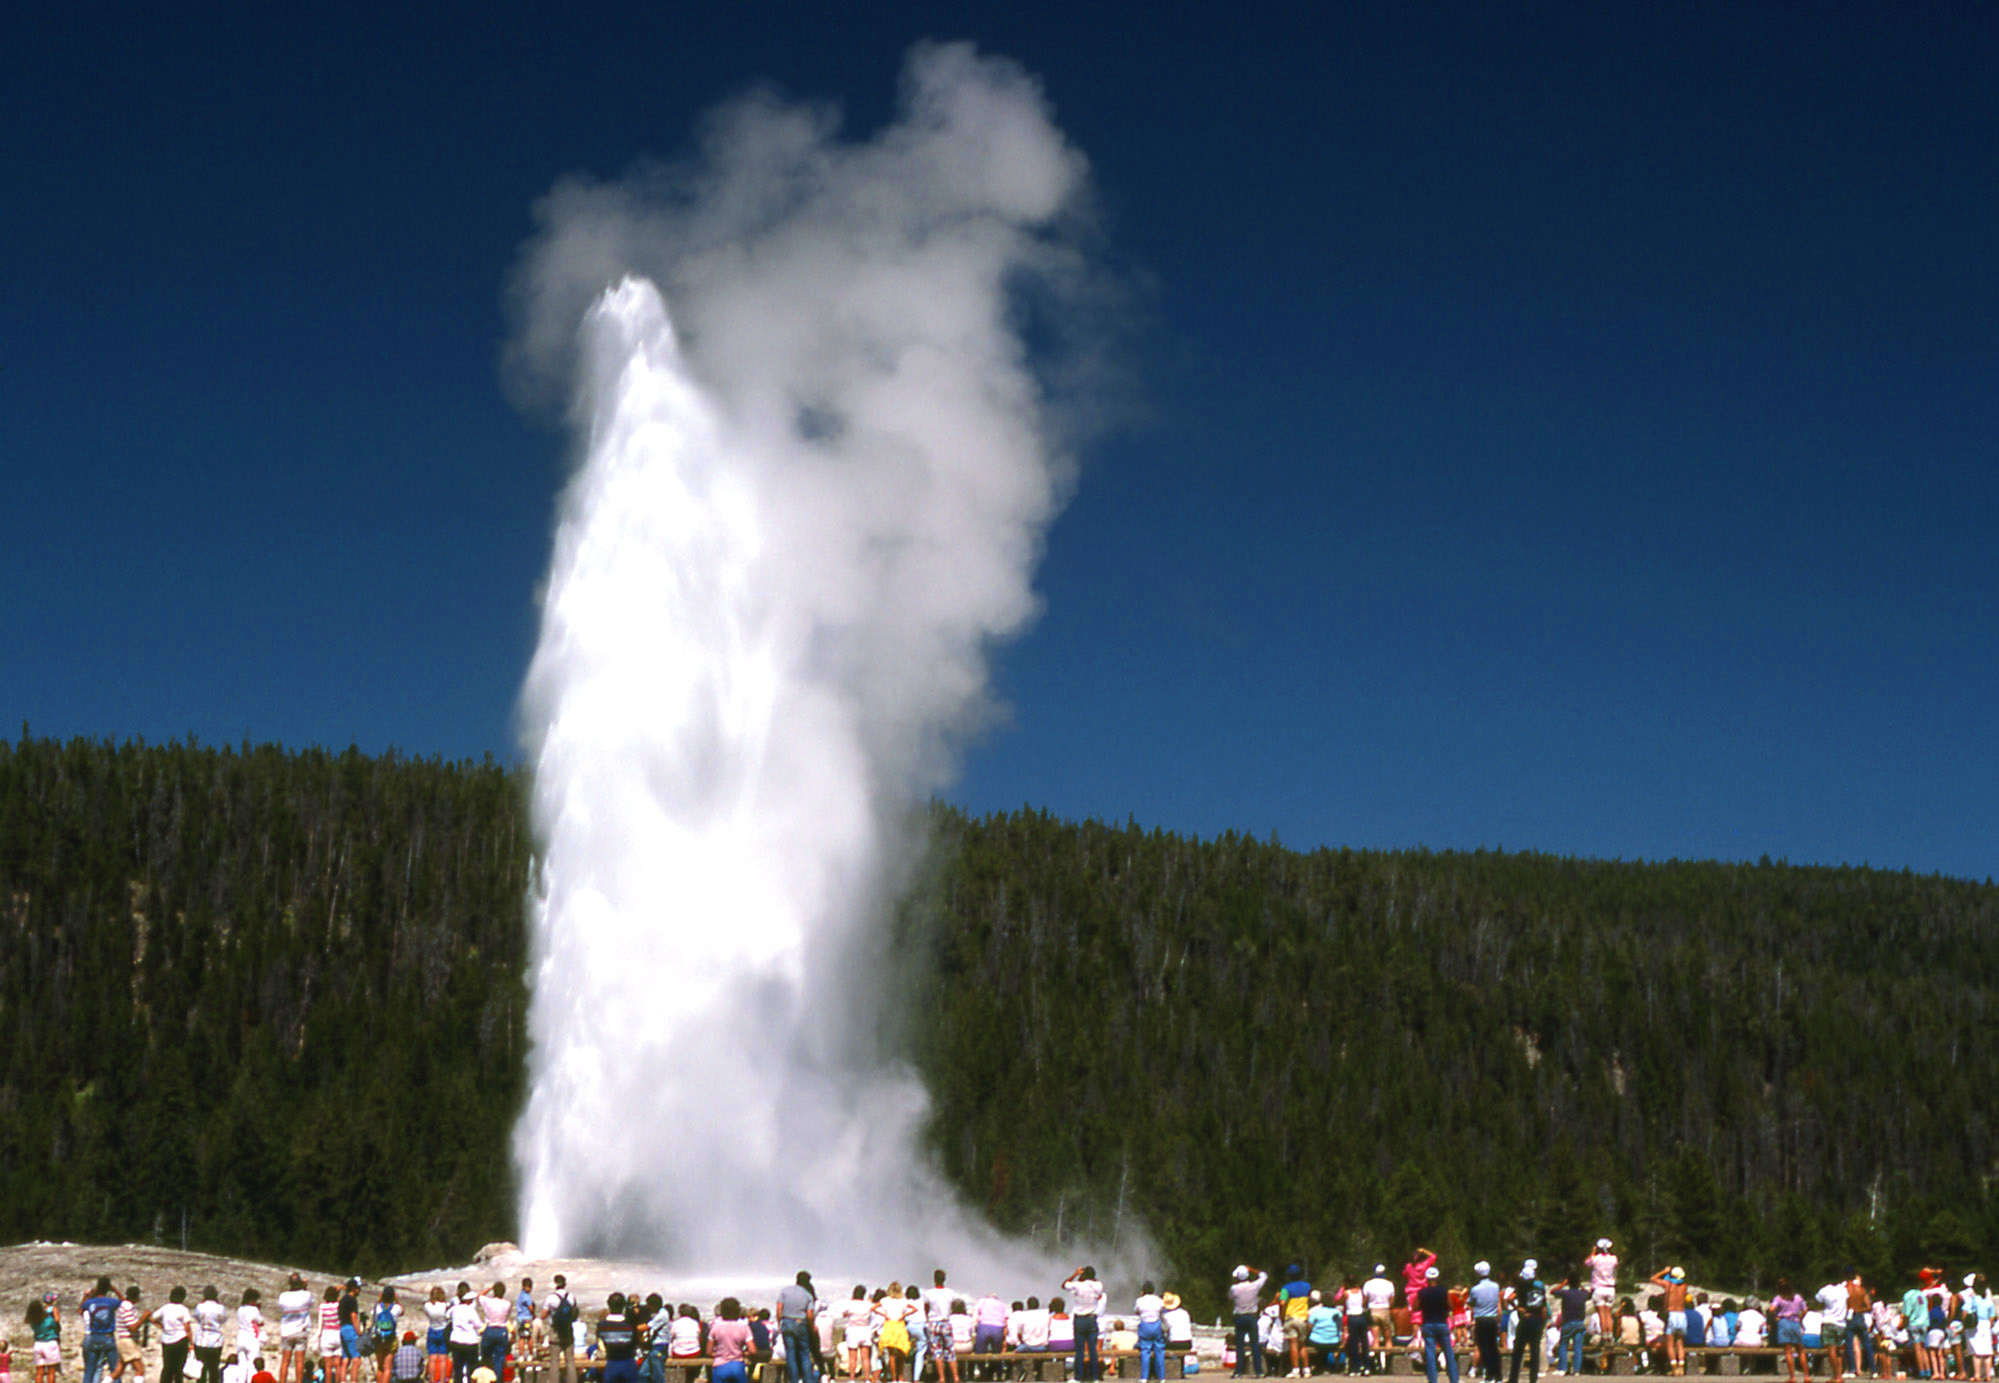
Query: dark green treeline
[272,1001]
[275,1002]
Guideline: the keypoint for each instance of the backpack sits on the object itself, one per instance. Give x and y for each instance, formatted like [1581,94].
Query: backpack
[563,1318]
[385,1321]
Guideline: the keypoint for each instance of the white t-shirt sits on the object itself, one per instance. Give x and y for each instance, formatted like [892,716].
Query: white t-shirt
[1749,1329]
[1378,1293]
[294,1314]
[174,1321]
[236,1371]
[1086,1294]
[249,1329]
[1179,1325]
[1033,1328]
[438,1313]
[209,1317]
[937,1303]
[1832,1300]
[466,1322]
[1149,1308]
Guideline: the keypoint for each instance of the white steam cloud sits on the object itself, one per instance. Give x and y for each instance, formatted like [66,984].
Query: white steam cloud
[816,465]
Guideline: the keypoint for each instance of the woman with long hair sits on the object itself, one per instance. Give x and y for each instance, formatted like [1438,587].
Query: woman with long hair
[437,1339]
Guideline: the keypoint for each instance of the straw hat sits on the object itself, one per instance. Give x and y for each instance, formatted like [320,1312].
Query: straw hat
[1172,1301]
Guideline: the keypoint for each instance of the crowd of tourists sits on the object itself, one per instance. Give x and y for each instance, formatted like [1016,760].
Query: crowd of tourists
[1498,1325]
[1931,1330]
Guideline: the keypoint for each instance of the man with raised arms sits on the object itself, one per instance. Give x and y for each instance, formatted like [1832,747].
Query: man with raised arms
[1602,1267]
[1673,1281]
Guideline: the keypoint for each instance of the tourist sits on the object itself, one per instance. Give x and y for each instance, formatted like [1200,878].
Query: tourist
[990,1318]
[1485,1300]
[892,1332]
[294,1322]
[1149,1309]
[1978,1308]
[467,1324]
[237,1370]
[100,1331]
[1179,1323]
[1602,1265]
[961,1327]
[1673,1281]
[1086,1298]
[176,1325]
[1322,1332]
[351,1348]
[942,1340]
[1245,1295]
[408,1365]
[1789,1309]
[524,1312]
[728,1342]
[329,1335]
[495,1313]
[1294,1299]
[131,1357]
[857,1346]
[1752,1327]
[617,1339]
[249,1325]
[919,1338]
[437,1335]
[1061,1328]
[687,1339]
[797,1306]
[45,1323]
[1354,1303]
[1530,1300]
[210,1317]
[560,1313]
[385,1327]
[1574,1300]
[1831,1300]
[1379,1295]
[1432,1304]
[1859,1324]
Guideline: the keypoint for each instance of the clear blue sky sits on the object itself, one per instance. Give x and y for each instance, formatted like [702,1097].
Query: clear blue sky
[1570,427]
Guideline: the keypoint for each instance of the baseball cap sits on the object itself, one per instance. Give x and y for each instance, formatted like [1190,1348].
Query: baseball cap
[1241,1273]
[1603,1243]
[1381,1267]
[1430,1273]
[1482,1268]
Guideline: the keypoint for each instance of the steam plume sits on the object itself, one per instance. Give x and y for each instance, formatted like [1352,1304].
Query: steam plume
[816,465]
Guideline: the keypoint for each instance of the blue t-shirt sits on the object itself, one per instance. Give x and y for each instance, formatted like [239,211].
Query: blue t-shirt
[1323,1325]
[100,1317]
[1484,1298]
[1696,1327]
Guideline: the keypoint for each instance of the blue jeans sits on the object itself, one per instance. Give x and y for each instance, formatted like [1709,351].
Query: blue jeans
[493,1349]
[798,1365]
[1569,1352]
[1437,1339]
[1151,1351]
[1086,1349]
[100,1353]
[1248,1346]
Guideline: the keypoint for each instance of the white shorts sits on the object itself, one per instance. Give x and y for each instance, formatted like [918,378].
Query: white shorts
[329,1344]
[1603,1296]
[48,1353]
[1934,1339]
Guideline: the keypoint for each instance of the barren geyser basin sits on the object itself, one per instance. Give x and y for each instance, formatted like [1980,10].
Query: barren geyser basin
[815,464]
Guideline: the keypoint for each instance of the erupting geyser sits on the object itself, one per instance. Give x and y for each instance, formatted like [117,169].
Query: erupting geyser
[814,471]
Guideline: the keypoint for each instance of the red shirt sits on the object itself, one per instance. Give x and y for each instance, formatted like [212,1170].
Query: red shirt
[263,1376]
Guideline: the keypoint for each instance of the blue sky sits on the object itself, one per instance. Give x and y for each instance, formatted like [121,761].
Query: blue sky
[1567,427]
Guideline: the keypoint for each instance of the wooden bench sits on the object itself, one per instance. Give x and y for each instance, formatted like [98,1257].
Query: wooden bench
[1023,1365]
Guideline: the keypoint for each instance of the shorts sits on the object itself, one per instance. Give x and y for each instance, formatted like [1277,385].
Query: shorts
[48,1354]
[1790,1333]
[1833,1333]
[384,1346]
[329,1344]
[1603,1296]
[1676,1324]
[437,1342]
[731,1372]
[130,1353]
[1295,1327]
[1933,1338]
[294,1339]
[942,1346]
[1384,1323]
[350,1342]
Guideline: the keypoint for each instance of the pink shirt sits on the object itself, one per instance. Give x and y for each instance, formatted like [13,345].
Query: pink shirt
[992,1311]
[728,1341]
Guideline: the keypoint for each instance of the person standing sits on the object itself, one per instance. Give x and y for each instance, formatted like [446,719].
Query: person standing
[937,1325]
[1575,1304]
[100,1331]
[1086,1299]
[495,1312]
[467,1322]
[1673,1281]
[561,1312]
[617,1339]
[1832,1327]
[294,1319]
[1245,1295]
[1294,1301]
[796,1308]
[176,1323]
[1602,1266]
[1433,1300]
[1789,1309]
[1530,1305]
[1354,1304]
[209,1318]
[1859,1324]
[131,1357]
[1150,1309]
[1379,1294]
[1485,1294]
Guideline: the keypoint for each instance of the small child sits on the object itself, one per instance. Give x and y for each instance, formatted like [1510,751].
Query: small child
[6,1361]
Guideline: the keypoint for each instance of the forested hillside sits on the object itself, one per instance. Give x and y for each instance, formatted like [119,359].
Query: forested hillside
[273,1002]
